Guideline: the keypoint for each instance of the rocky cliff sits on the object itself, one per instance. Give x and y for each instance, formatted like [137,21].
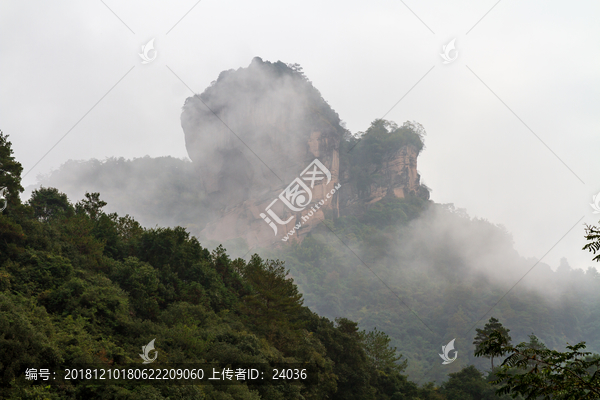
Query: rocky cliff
[395,177]
[267,147]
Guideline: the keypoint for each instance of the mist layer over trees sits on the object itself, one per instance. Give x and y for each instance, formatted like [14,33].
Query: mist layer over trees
[422,273]
[80,286]
[448,268]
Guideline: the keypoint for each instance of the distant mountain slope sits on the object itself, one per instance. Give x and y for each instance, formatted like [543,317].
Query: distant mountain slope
[160,191]
[427,273]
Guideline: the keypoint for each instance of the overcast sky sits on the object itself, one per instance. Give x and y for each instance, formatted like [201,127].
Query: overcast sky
[513,133]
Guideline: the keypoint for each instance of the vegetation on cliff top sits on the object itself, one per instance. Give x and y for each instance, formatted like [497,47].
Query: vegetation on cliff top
[362,156]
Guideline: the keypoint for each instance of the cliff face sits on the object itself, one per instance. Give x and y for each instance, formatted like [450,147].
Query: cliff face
[266,148]
[396,177]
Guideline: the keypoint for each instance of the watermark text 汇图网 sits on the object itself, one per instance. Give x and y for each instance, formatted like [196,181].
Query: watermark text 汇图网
[297,196]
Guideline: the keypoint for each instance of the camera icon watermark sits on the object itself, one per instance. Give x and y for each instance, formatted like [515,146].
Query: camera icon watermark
[446,350]
[147,349]
[3,199]
[596,203]
[446,52]
[145,54]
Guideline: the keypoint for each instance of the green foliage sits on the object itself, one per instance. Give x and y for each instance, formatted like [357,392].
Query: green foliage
[484,334]
[78,285]
[381,355]
[364,156]
[49,203]
[349,358]
[272,300]
[140,280]
[468,384]
[26,336]
[592,235]
[535,371]
[10,175]
[91,205]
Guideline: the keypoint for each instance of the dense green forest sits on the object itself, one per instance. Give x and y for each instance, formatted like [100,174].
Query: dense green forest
[445,271]
[80,286]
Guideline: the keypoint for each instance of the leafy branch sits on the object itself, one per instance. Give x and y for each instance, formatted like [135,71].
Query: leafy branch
[535,371]
[592,234]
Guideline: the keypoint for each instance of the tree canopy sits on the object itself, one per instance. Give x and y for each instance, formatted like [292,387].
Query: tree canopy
[78,285]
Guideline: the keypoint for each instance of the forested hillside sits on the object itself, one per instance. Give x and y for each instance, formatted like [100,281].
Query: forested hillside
[430,279]
[446,273]
[80,286]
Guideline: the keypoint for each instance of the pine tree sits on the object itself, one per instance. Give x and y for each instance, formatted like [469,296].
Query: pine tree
[379,351]
[10,176]
[275,302]
[484,334]
[49,203]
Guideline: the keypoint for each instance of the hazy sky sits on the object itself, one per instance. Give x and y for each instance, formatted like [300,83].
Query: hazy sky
[524,69]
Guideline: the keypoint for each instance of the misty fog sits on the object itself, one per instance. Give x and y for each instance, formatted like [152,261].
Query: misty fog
[462,138]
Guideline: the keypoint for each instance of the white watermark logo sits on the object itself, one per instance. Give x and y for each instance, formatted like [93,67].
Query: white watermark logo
[596,204]
[147,349]
[446,350]
[298,195]
[3,200]
[146,49]
[446,52]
